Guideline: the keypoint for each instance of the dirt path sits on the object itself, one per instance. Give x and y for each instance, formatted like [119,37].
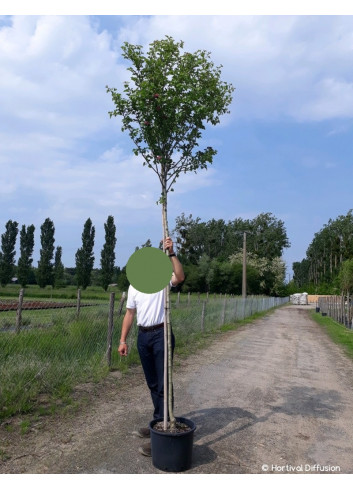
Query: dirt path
[275,396]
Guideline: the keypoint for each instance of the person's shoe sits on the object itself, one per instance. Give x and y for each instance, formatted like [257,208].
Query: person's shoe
[146,450]
[142,433]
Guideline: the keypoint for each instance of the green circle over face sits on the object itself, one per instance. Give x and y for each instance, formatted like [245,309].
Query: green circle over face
[149,270]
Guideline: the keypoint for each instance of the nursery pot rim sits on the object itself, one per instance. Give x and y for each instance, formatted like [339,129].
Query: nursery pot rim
[187,421]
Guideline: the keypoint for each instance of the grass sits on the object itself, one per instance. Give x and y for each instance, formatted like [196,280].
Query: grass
[39,318]
[339,333]
[50,360]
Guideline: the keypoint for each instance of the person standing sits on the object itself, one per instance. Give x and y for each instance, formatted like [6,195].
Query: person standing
[150,341]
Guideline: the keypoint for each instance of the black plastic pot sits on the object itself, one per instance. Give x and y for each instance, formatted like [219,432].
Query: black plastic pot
[318,309]
[172,452]
[324,314]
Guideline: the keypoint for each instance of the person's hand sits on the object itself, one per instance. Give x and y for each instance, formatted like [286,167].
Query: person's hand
[168,245]
[123,349]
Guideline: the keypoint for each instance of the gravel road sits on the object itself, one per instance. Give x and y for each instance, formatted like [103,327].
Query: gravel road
[275,396]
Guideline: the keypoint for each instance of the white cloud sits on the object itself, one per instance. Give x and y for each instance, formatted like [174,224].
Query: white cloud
[281,66]
[53,75]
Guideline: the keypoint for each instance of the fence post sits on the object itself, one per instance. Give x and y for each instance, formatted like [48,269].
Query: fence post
[207,297]
[337,308]
[334,307]
[78,302]
[178,300]
[203,317]
[342,309]
[122,300]
[19,311]
[347,313]
[110,329]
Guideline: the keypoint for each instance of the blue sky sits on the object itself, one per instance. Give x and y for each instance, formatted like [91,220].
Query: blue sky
[285,148]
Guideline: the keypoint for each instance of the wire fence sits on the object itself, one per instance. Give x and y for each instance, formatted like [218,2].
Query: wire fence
[339,308]
[48,347]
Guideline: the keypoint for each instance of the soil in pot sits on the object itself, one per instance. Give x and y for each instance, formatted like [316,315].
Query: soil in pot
[179,427]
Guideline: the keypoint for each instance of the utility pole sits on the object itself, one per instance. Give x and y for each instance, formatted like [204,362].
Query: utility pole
[244,266]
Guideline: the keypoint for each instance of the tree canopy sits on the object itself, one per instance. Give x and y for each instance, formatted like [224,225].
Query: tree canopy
[8,252]
[266,237]
[45,272]
[26,249]
[212,251]
[171,96]
[108,253]
[84,256]
[325,256]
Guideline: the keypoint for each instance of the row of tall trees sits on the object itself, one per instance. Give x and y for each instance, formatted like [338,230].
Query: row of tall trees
[50,270]
[47,273]
[330,248]
[211,253]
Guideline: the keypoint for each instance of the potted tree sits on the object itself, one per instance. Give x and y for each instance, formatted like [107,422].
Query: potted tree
[171,96]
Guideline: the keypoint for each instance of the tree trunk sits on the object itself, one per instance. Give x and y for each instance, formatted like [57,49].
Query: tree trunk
[168,372]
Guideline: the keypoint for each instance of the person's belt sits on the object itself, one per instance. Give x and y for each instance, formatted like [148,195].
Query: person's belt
[151,328]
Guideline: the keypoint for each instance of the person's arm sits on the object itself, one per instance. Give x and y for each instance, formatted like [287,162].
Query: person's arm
[178,272]
[125,329]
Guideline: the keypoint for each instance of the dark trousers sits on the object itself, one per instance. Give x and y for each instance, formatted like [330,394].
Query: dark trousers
[150,345]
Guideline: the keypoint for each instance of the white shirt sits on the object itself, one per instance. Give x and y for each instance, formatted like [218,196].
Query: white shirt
[150,307]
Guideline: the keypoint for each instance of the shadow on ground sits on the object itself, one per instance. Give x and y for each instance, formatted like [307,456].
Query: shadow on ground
[214,425]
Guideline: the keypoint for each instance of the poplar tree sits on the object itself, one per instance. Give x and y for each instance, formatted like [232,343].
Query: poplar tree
[8,252]
[108,253]
[26,251]
[45,272]
[58,267]
[171,96]
[84,256]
